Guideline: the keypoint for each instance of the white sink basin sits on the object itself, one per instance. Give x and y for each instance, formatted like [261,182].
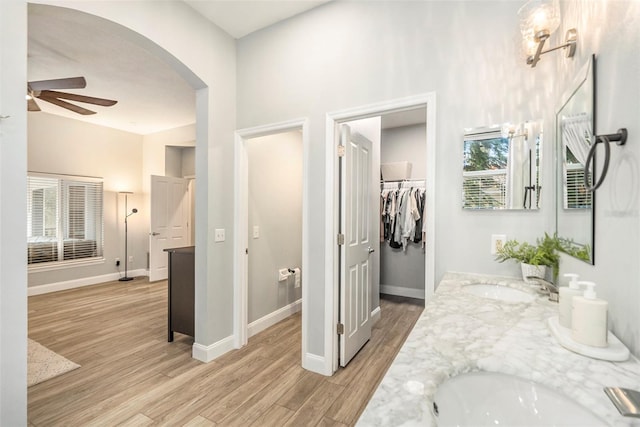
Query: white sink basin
[498,292]
[493,399]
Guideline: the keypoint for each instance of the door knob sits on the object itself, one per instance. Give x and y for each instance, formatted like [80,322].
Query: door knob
[370,249]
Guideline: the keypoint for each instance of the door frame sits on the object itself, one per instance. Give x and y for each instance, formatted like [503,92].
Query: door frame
[241,223]
[332,270]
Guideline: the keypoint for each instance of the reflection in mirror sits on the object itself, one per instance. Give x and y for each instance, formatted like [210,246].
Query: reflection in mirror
[574,133]
[501,167]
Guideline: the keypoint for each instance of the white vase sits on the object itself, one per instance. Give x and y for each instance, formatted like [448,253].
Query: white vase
[532,270]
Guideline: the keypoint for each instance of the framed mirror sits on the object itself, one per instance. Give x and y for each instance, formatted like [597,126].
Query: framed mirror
[501,166]
[575,206]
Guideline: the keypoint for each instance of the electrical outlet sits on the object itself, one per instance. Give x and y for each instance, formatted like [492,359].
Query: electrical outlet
[117,262]
[219,235]
[130,258]
[497,242]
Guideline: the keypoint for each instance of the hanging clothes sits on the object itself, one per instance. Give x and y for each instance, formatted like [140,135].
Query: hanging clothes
[382,207]
[397,219]
[419,195]
[401,216]
[424,221]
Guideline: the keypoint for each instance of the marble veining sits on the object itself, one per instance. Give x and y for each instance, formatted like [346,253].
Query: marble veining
[459,332]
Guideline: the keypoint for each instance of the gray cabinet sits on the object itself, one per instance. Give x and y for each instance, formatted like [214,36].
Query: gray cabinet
[181,290]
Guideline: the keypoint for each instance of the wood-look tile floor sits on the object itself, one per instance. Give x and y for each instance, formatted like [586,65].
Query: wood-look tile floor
[130,375]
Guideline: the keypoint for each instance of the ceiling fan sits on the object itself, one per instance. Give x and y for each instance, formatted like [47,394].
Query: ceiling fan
[42,89]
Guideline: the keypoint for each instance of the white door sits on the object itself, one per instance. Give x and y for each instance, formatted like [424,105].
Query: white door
[356,271]
[169,219]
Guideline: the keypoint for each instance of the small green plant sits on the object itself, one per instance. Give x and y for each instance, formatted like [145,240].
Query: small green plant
[544,252]
[568,246]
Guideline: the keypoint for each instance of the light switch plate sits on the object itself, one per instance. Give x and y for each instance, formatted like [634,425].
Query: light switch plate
[219,235]
[256,231]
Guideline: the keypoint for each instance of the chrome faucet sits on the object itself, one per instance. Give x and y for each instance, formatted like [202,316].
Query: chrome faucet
[547,286]
[626,401]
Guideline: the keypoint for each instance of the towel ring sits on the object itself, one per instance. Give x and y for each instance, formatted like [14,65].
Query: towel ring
[619,138]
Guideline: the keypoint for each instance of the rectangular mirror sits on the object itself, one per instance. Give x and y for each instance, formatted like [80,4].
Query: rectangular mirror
[575,206]
[501,166]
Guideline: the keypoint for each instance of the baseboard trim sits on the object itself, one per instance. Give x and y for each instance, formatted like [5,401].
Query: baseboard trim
[315,363]
[375,315]
[207,353]
[402,292]
[78,283]
[271,319]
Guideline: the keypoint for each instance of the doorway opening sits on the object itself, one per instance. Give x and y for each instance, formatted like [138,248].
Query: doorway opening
[172,208]
[130,171]
[270,247]
[339,225]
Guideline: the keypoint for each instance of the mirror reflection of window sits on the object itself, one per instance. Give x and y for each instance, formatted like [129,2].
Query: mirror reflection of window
[501,167]
[485,173]
[576,138]
[575,207]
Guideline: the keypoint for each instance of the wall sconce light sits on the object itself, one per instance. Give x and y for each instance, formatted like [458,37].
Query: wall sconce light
[538,20]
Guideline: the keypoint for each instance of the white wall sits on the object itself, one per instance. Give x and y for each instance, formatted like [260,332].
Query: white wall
[275,207]
[400,49]
[180,162]
[188,165]
[155,150]
[611,30]
[60,145]
[404,268]
[406,143]
[13,218]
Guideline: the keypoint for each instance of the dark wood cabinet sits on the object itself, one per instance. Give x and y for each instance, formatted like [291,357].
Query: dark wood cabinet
[181,290]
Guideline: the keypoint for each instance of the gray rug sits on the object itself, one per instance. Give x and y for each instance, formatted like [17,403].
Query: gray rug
[43,364]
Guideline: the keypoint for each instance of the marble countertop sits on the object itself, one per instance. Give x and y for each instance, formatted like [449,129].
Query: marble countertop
[459,332]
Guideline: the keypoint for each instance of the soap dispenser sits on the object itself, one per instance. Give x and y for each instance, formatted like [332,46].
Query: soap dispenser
[566,294]
[589,318]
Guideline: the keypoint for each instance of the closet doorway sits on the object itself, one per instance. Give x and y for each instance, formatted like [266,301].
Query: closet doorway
[408,110]
[402,261]
[270,217]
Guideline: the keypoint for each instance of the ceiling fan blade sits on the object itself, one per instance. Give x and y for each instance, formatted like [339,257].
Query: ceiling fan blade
[67,105]
[32,105]
[79,98]
[67,83]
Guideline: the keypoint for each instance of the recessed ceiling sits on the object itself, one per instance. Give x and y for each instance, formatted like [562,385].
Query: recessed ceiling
[240,18]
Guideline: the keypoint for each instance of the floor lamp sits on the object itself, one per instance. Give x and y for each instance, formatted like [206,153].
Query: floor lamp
[126,216]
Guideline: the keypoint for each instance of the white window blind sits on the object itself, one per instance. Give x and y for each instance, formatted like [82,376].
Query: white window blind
[64,218]
[576,195]
[484,189]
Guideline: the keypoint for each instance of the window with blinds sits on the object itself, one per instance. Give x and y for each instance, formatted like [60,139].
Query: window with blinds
[484,171]
[576,195]
[64,219]
[484,189]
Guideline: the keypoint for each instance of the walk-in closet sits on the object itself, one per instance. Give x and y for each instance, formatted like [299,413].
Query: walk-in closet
[402,204]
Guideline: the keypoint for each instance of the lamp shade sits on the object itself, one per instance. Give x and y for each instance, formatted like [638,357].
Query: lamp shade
[539,16]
